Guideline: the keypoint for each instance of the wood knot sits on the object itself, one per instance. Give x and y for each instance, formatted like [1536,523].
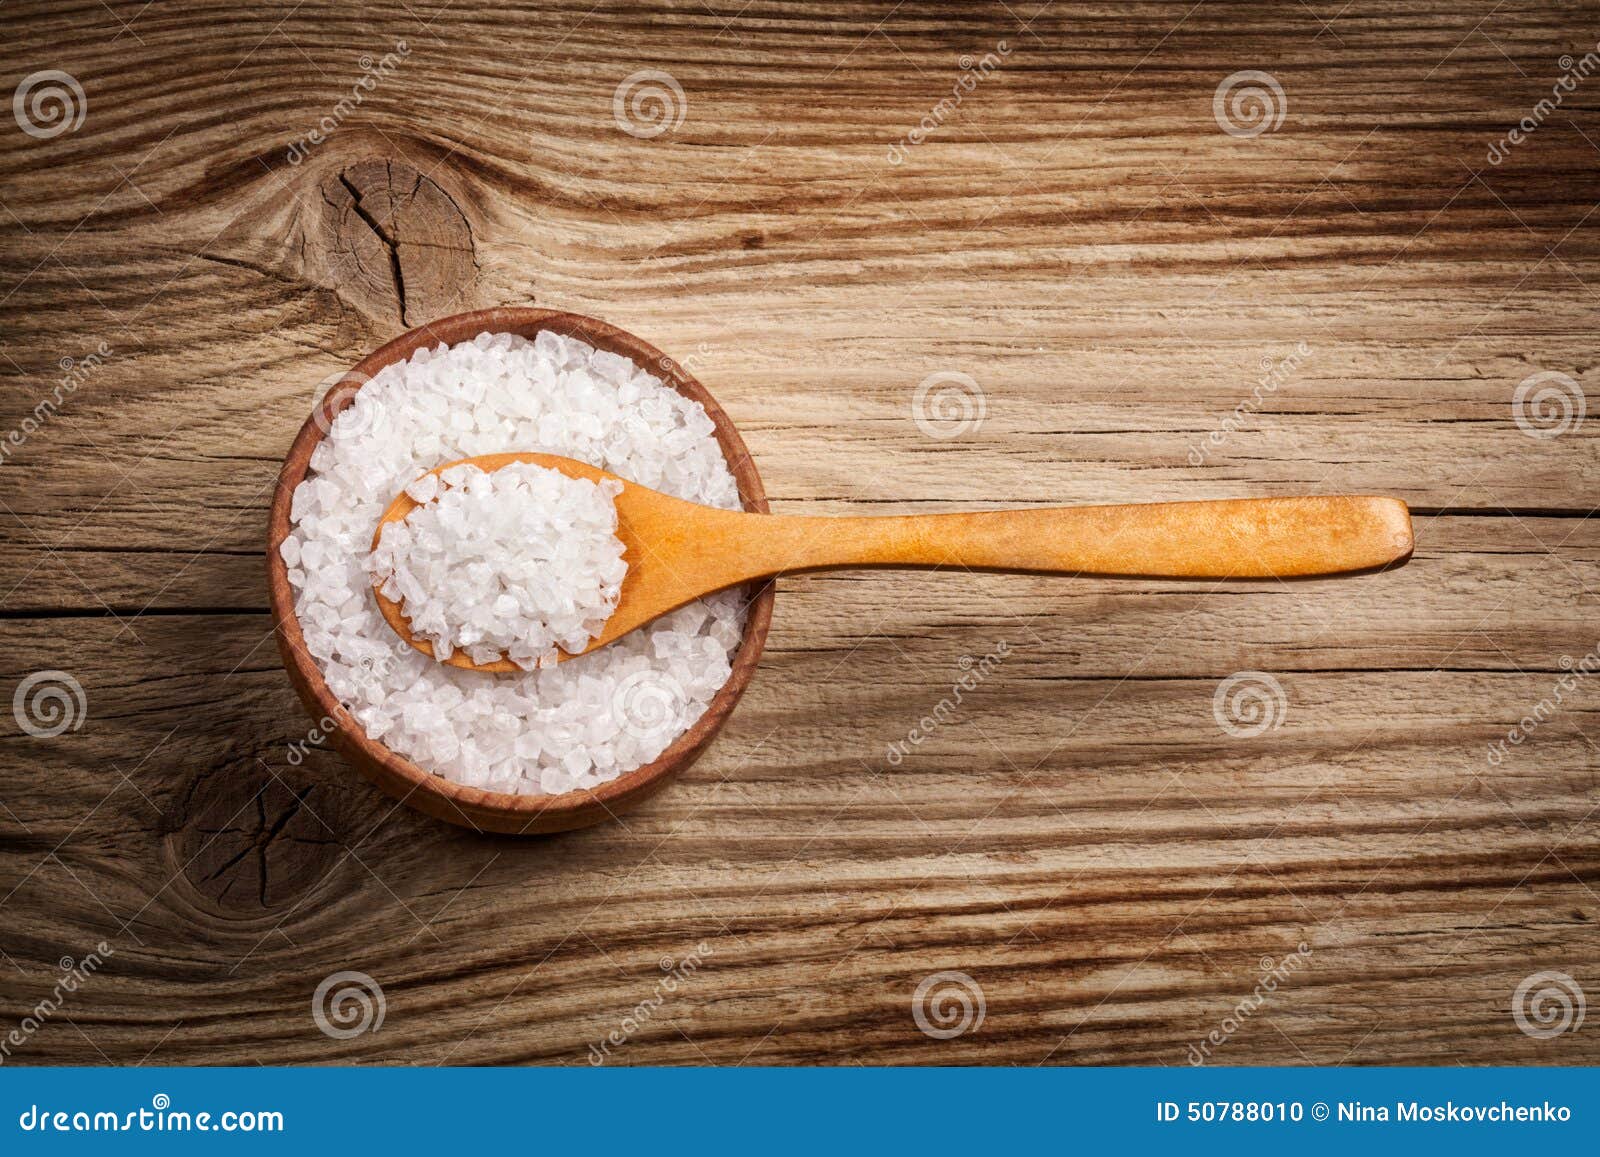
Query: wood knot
[253,841]
[400,245]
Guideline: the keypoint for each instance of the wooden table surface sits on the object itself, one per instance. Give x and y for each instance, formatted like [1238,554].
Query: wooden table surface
[1124,285]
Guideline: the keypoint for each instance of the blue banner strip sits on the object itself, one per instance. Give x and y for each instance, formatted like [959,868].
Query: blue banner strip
[763,1111]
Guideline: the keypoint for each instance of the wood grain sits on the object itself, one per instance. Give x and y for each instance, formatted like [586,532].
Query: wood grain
[1115,273]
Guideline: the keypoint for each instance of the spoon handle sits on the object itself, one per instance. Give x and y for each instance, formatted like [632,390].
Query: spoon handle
[1228,538]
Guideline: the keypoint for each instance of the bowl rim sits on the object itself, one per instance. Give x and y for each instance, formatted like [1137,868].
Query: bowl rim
[541,812]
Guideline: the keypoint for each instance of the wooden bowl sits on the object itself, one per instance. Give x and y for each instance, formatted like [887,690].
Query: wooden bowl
[470,806]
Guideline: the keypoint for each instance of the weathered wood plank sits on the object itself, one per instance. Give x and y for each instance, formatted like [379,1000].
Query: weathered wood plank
[1507,593]
[1126,840]
[1081,239]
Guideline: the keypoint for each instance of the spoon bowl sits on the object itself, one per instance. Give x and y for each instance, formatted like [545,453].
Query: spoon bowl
[657,532]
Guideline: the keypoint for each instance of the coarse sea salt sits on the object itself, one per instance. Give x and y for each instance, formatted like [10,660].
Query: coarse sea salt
[572,725]
[520,562]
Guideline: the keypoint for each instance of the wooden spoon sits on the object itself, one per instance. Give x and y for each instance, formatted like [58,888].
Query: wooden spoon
[677,551]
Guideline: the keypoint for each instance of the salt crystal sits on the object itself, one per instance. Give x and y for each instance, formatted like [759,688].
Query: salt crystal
[425,488]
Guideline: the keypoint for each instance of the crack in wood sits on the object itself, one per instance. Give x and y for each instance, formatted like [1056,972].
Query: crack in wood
[401,245]
[249,841]
[383,235]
